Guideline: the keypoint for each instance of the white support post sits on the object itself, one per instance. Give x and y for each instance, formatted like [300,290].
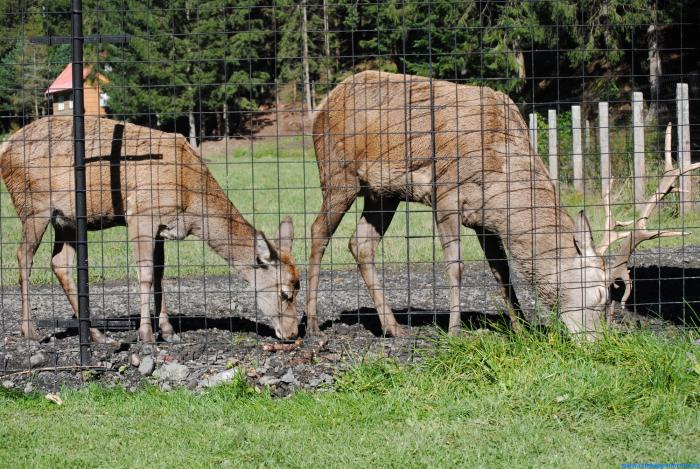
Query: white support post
[683,131]
[604,144]
[577,154]
[533,133]
[638,138]
[553,147]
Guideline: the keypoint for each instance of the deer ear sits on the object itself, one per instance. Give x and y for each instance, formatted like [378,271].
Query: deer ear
[264,253]
[583,237]
[285,235]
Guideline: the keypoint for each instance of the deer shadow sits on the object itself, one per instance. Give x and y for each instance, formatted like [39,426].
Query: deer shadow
[180,323]
[669,293]
[416,317]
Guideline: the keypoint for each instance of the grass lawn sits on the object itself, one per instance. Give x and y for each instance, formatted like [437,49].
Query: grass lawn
[268,180]
[488,400]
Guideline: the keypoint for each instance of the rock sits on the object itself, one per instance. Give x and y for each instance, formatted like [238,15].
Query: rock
[135,360]
[269,381]
[225,376]
[289,378]
[174,372]
[38,359]
[323,378]
[147,365]
[7,384]
[29,387]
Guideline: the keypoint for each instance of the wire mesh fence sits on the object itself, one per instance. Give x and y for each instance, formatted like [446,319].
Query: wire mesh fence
[345,172]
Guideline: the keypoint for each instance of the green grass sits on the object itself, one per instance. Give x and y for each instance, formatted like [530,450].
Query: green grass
[269,179]
[489,400]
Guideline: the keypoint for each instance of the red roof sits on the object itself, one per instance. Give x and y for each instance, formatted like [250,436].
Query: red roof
[65,80]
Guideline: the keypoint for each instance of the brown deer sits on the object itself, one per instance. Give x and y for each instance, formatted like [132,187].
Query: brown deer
[618,271]
[470,160]
[155,184]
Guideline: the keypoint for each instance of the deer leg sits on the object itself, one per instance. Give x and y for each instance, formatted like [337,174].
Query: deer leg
[32,231]
[335,204]
[166,329]
[62,261]
[448,224]
[496,255]
[374,222]
[142,238]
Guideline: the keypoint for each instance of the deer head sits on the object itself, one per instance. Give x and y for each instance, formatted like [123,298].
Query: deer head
[583,282]
[617,272]
[276,280]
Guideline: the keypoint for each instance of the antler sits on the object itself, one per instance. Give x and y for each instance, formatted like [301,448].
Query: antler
[618,269]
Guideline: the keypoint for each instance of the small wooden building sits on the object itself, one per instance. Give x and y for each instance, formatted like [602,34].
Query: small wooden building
[61,92]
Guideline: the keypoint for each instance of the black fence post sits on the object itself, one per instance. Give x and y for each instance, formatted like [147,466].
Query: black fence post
[80,190]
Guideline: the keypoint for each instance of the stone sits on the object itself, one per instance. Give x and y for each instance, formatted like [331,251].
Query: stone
[7,384]
[289,378]
[135,360]
[174,372]
[269,381]
[147,366]
[29,387]
[225,376]
[38,359]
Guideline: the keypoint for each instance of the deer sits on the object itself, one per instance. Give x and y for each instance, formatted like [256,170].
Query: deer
[465,152]
[618,272]
[156,185]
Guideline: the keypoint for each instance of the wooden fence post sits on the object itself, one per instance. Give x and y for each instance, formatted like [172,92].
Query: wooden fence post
[683,132]
[577,153]
[553,146]
[639,173]
[533,132]
[604,144]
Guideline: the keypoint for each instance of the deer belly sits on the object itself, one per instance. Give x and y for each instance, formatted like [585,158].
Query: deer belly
[388,181]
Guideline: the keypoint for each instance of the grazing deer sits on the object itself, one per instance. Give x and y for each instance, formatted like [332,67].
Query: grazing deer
[156,185]
[618,268]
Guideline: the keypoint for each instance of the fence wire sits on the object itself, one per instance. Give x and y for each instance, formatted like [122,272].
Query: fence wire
[441,149]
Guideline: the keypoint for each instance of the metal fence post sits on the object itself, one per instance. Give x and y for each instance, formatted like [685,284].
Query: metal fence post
[80,185]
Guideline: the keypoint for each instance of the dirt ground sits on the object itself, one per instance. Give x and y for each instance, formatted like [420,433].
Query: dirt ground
[221,334]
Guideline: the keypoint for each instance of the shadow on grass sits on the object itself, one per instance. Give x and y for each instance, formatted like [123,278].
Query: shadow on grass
[670,293]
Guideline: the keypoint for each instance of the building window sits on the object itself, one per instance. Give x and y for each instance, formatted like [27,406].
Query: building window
[70,104]
[103,99]
[61,103]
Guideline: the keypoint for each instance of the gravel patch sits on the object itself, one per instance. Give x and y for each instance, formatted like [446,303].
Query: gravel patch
[222,337]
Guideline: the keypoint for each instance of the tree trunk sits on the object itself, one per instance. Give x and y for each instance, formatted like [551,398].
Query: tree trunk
[193,129]
[305,58]
[654,74]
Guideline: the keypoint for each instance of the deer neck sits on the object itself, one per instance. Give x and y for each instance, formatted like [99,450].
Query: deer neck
[226,231]
[540,250]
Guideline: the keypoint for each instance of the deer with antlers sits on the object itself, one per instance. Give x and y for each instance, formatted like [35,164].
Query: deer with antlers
[618,269]
[464,151]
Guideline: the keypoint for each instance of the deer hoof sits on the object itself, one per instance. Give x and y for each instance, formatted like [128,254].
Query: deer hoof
[396,331]
[99,338]
[146,335]
[312,329]
[30,332]
[171,337]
